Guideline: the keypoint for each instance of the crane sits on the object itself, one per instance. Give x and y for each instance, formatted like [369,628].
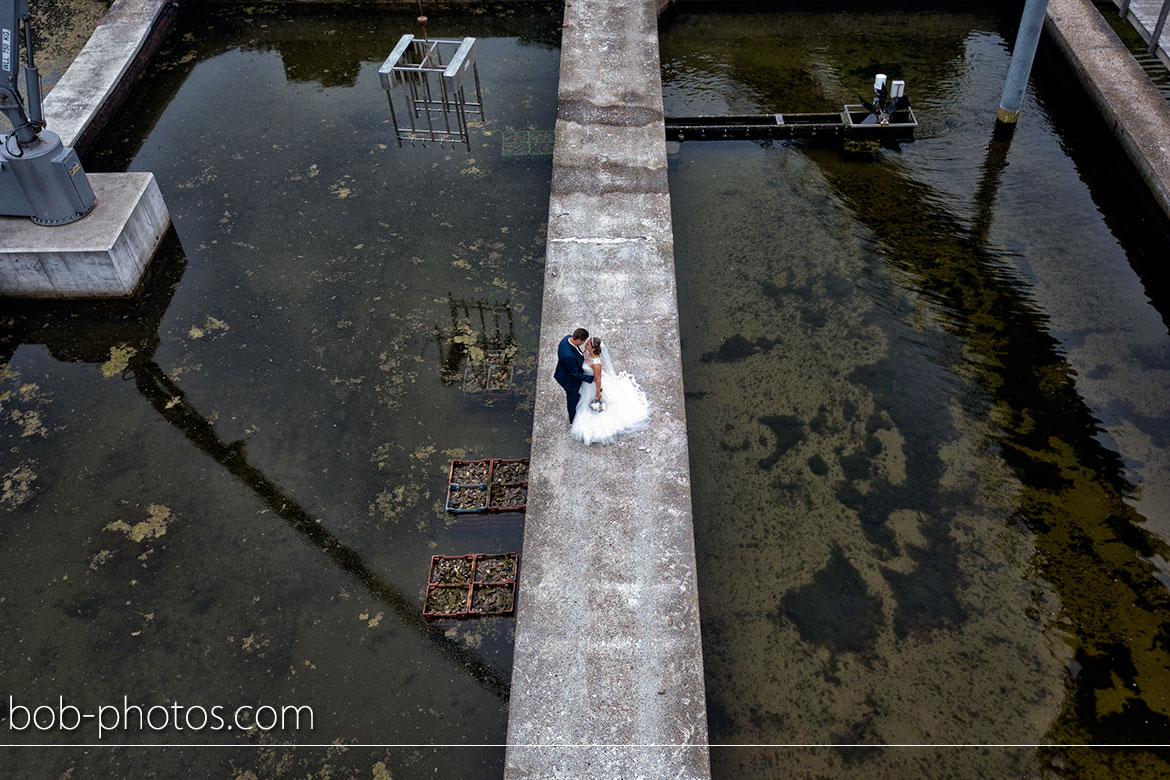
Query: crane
[40,178]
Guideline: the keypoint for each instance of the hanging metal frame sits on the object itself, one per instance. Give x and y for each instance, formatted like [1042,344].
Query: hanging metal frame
[433,75]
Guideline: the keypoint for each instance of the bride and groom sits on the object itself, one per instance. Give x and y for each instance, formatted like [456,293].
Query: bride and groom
[602,403]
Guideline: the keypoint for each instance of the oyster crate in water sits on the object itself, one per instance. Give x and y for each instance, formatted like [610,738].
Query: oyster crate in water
[470,472]
[509,470]
[495,599]
[489,589]
[441,569]
[493,587]
[508,497]
[509,475]
[432,608]
[495,568]
[463,490]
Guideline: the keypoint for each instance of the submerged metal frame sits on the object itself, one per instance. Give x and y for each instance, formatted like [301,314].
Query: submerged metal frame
[854,124]
[433,74]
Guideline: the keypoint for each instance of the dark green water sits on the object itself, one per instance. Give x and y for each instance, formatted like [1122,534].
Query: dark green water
[228,491]
[926,391]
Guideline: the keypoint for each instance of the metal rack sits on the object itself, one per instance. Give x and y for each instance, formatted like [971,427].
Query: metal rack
[432,75]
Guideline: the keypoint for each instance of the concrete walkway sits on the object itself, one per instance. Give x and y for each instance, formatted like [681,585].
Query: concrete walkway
[1131,105]
[608,657]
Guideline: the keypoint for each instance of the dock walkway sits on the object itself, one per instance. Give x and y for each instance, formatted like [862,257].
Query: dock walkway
[1143,15]
[607,679]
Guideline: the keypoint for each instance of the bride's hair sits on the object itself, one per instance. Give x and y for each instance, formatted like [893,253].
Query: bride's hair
[595,344]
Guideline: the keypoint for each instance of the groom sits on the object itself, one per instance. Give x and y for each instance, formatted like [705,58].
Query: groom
[570,359]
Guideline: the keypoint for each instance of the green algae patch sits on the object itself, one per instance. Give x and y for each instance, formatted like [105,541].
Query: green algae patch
[372,622]
[30,423]
[390,504]
[212,325]
[100,558]
[154,526]
[119,360]
[17,486]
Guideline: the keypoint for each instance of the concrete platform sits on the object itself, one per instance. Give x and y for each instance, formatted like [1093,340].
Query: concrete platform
[103,255]
[1116,84]
[607,678]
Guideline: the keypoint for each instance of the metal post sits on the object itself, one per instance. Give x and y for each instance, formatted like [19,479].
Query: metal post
[478,92]
[427,105]
[397,132]
[32,80]
[461,118]
[443,93]
[1124,8]
[1031,23]
[412,100]
[1157,35]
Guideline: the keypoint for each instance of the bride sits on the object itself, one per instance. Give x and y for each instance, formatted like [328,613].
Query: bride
[623,406]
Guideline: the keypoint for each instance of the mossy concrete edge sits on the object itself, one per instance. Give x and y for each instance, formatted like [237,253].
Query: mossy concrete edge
[95,82]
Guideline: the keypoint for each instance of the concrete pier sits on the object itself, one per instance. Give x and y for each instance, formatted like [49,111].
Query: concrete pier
[608,673]
[1132,107]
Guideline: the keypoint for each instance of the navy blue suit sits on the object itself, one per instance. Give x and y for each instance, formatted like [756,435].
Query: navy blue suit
[569,374]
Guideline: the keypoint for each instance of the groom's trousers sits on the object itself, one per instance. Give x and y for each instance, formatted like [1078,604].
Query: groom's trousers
[573,397]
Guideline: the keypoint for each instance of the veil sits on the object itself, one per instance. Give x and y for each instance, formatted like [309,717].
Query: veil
[627,409]
[606,365]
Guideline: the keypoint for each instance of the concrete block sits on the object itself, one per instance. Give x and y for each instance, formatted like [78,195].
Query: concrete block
[103,255]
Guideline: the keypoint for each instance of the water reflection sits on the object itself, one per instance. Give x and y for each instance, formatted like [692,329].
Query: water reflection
[926,535]
[493,342]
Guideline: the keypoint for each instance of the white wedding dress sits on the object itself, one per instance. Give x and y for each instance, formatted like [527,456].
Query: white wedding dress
[627,409]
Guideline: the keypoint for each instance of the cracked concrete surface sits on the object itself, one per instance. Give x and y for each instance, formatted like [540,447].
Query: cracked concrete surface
[608,673]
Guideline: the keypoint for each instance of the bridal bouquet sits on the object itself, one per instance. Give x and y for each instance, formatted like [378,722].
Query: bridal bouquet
[597,405]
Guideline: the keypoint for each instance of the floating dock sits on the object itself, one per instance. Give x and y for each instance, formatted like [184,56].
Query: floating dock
[854,126]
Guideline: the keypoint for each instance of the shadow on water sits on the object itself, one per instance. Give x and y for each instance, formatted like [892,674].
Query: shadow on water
[86,332]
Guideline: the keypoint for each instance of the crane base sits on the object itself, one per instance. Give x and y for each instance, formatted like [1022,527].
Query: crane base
[102,256]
